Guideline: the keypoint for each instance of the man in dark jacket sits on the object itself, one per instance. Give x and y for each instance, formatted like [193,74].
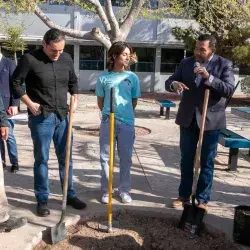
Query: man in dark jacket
[7,67]
[194,75]
[7,223]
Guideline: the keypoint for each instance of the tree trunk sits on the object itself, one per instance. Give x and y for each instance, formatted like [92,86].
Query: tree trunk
[114,31]
[15,57]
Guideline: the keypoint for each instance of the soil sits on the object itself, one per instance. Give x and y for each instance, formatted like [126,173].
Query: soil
[136,232]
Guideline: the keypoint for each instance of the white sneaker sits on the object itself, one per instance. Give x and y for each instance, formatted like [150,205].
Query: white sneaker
[105,198]
[126,198]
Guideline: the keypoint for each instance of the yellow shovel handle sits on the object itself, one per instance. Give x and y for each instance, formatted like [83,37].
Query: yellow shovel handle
[111,156]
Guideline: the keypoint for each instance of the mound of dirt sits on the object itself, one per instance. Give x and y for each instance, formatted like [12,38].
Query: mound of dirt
[136,232]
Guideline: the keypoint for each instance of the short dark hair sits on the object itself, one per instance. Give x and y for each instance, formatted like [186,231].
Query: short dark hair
[53,35]
[210,38]
[115,50]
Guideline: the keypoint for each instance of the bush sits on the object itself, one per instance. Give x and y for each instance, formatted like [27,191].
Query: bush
[245,85]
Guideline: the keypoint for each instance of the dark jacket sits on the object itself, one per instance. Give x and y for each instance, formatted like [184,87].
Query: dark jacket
[3,115]
[222,87]
[7,67]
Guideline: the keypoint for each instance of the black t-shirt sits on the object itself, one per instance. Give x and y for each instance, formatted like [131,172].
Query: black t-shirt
[47,82]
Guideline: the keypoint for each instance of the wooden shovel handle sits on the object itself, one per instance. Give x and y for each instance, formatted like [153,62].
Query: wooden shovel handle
[68,151]
[199,145]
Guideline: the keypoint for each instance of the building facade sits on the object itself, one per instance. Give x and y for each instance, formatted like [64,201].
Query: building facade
[158,51]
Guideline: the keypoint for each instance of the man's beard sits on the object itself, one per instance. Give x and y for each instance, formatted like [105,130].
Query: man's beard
[202,59]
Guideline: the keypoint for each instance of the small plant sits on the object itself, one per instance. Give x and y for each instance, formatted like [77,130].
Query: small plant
[13,41]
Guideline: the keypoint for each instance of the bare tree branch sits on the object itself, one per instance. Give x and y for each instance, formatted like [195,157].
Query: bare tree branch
[131,17]
[101,13]
[101,38]
[69,32]
[115,31]
[95,34]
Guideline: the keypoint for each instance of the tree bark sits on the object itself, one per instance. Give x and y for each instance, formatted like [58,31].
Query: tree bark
[129,21]
[69,32]
[101,38]
[114,32]
[115,29]
[101,13]
[95,34]
[15,57]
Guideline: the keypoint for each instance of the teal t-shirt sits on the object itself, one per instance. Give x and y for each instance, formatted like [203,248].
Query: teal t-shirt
[127,87]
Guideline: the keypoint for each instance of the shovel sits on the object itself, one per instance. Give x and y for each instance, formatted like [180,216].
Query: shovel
[192,215]
[59,231]
[111,225]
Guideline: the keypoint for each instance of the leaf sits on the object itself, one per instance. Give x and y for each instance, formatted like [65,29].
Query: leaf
[227,20]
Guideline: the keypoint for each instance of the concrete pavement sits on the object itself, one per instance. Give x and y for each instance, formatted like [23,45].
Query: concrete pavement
[155,174]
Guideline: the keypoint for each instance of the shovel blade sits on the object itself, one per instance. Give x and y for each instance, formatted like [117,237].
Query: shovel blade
[191,219]
[58,233]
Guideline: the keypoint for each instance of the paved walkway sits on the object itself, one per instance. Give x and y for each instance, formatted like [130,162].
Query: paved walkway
[155,174]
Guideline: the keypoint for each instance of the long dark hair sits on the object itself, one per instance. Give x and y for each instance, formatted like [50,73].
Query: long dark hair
[115,50]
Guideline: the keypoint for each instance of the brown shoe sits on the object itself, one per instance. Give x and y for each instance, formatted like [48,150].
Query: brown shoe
[180,202]
[203,206]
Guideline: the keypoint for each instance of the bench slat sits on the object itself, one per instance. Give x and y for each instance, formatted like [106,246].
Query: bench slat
[230,139]
[166,103]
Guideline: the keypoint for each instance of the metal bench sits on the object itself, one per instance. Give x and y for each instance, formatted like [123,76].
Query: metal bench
[233,141]
[165,104]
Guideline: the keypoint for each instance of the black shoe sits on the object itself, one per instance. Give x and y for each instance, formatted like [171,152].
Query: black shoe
[14,168]
[4,165]
[42,209]
[76,203]
[12,223]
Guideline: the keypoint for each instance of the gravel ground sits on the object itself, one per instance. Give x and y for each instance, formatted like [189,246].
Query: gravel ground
[137,232]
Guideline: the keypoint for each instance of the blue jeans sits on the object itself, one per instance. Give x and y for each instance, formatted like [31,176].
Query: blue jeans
[188,144]
[43,130]
[11,145]
[124,137]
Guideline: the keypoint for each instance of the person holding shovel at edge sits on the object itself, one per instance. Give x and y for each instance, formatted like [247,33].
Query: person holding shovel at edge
[127,91]
[7,222]
[194,75]
[49,75]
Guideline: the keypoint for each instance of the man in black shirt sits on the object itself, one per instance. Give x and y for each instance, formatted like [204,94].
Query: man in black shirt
[48,74]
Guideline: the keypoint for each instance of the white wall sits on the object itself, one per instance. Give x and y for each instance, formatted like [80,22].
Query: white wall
[87,79]
[146,80]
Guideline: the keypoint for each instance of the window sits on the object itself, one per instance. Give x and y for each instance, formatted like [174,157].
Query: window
[152,4]
[70,50]
[91,58]
[115,2]
[57,2]
[170,59]
[29,49]
[189,53]
[32,47]
[146,60]
[244,70]
[10,54]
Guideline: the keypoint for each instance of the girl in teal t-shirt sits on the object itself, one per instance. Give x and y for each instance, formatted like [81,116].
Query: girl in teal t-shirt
[127,91]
